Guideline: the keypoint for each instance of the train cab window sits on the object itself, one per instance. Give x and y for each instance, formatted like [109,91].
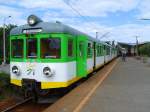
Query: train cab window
[17,48]
[50,48]
[32,48]
[70,47]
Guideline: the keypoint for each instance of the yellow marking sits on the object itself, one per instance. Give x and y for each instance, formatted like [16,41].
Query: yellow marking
[83,102]
[46,85]
[16,82]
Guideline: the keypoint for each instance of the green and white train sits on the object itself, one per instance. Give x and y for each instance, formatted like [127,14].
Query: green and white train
[53,55]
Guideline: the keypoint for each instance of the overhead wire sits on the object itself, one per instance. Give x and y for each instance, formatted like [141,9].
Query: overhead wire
[77,12]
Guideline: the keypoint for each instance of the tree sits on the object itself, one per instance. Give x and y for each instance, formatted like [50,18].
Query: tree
[7,29]
[145,49]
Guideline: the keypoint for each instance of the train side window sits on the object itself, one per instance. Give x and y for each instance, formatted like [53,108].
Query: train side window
[102,50]
[17,48]
[89,50]
[98,51]
[50,48]
[108,50]
[32,48]
[70,48]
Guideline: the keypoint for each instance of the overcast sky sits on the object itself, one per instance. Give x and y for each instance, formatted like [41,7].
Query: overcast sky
[119,17]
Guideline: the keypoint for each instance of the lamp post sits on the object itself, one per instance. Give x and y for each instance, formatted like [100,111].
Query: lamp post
[4,39]
[96,35]
[137,51]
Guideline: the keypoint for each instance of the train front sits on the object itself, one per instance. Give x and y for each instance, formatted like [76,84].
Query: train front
[36,56]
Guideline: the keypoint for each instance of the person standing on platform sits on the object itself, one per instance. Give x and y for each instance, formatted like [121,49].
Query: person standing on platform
[124,54]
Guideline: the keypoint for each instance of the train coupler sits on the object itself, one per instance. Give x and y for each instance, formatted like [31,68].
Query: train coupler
[30,88]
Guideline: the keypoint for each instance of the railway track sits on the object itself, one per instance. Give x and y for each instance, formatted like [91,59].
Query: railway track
[16,105]
[26,106]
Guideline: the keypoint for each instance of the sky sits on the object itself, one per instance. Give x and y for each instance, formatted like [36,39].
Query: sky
[119,19]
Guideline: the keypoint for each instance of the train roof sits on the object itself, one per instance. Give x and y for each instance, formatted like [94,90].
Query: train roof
[50,27]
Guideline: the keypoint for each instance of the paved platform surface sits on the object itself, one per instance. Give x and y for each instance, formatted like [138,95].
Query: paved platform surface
[126,89]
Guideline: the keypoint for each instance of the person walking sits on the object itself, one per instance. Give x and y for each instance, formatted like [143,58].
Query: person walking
[124,55]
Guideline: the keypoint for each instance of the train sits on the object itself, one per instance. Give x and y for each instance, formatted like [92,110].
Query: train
[52,55]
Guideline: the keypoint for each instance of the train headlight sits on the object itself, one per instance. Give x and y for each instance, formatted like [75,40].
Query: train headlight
[31,20]
[47,72]
[15,70]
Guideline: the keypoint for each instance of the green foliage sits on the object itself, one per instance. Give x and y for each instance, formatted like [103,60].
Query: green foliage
[144,50]
[4,79]
[4,75]
[4,85]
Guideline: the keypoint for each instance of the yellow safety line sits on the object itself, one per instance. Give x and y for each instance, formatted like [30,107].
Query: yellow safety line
[87,97]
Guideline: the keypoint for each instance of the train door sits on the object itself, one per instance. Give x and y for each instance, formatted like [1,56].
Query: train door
[81,56]
[94,58]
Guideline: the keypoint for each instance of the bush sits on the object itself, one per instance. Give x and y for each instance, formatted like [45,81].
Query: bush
[4,79]
[145,50]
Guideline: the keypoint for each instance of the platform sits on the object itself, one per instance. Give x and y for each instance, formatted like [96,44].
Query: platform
[127,89]
[124,89]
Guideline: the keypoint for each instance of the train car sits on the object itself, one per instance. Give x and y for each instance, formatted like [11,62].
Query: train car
[47,55]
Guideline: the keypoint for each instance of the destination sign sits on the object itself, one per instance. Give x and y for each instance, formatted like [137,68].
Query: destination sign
[31,31]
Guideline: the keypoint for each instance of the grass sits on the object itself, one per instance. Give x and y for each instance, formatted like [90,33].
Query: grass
[4,75]
[4,84]
[4,79]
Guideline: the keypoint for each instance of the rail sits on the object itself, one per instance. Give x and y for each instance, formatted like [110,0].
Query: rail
[17,105]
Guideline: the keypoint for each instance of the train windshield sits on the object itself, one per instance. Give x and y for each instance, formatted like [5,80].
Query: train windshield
[17,48]
[32,48]
[50,48]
